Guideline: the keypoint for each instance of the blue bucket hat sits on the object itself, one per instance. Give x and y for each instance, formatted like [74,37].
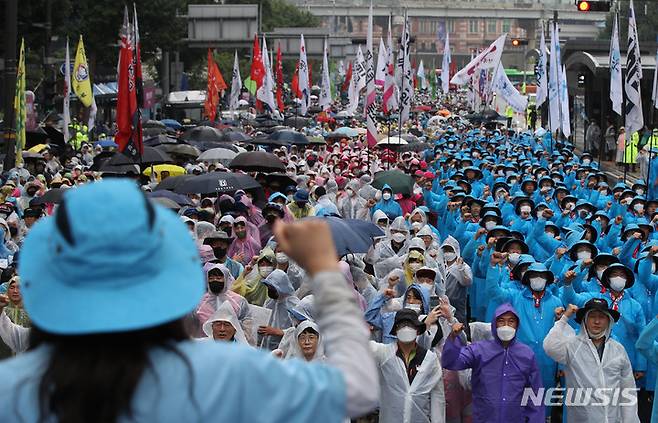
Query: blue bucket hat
[89,269]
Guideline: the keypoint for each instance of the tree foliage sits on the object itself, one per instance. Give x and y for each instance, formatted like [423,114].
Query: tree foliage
[646,15]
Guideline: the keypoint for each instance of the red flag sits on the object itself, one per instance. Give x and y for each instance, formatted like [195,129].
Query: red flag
[279,79]
[348,78]
[413,73]
[128,135]
[295,82]
[215,84]
[257,67]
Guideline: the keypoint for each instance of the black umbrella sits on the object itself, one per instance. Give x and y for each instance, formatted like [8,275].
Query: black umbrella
[416,146]
[280,179]
[152,132]
[180,150]
[121,169]
[53,195]
[352,236]
[55,136]
[180,199]
[151,156]
[235,136]
[400,182]
[265,140]
[257,161]
[153,124]
[289,137]
[159,139]
[296,122]
[217,182]
[172,182]
[36,137]
[203,134]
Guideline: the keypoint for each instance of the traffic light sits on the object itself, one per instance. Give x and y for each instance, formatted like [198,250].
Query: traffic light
[593,5]
[516,42]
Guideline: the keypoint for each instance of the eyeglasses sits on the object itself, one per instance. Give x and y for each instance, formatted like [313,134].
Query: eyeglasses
[307,337]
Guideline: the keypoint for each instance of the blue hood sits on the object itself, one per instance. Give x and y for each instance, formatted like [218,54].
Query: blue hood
[424,296]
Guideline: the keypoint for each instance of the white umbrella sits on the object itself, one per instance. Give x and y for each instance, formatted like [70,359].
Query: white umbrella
[392,141]
[217,155]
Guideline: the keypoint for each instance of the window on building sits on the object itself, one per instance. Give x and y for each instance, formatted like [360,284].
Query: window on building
[451,25]
[507,25]
[491,25]
[473,26]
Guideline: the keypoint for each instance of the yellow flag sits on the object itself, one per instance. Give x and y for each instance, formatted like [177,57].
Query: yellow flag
[20,110]
[81,82]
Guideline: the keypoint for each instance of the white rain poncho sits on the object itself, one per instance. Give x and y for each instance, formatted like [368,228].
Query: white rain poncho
[295,350]
[384,251]
[457,278]
[422,401]
[211,302]
[584,369]
[225,313]
[280,317]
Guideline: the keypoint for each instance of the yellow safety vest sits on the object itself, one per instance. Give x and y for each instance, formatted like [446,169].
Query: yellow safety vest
[630,149]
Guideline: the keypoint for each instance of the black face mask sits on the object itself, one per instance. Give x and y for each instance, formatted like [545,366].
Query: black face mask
[216,287]
[13,231]
[220,252]
[228,230]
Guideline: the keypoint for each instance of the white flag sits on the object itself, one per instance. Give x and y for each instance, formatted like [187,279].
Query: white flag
[369,108]
[266,91]
[542,75]
[404,68]
[502,86]
[445,66]
[616,93]
[91,122]
[420,73]
[564,102]
[358,79]
[67,93]
[634,117]
[488,59]
[380,74]
[654,95]
[304,88]
[390,97]
[236,84]
[325,91]
[554,81]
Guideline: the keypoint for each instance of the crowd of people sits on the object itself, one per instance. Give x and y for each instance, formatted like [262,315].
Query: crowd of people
[510,264]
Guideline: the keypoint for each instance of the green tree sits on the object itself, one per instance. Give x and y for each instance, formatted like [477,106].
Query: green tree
[646,15]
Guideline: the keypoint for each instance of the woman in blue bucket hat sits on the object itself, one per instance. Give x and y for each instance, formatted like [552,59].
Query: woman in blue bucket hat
[108,281]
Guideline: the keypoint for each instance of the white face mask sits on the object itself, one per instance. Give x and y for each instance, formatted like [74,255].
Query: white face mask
[584,255]
[450,256]
[490,225]
[264,271]
[416,225]
[505,333]
[599,274]
[653,267]
[537,284]
[406,334]
[398,237]
[525,209]
[414,307]
[640,191]
[281,258]
[415,266]
[617,283]
[386,196]
[638,207]
[514,258]
[586,162]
